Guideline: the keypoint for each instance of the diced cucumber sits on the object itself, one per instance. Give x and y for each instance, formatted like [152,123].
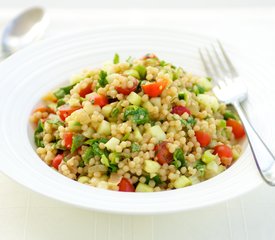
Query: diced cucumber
[182,182]
[184,95]
[79,115]
[76,78]
[151,166]
[169,73]
[142,187]
[147,105]
[53,106]
[137,135]
[221,168]
[112,143]
[172,130]
[222,123]
[114,157]
[205,83]
[179,72]
[106,110]
[104,128]
[194,180]
[157,132]
[73,102]
[213,166]
[89,132]
[156,101]
[74,125]
[235,153]
[208,101]
[83,179]
[208,157]
[134,98]
[104,160]
[132,72]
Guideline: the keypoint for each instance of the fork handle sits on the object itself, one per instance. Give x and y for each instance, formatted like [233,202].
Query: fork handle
[263,156]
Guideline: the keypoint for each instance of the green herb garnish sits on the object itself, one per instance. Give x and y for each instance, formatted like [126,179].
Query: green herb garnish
[141,71]
[228,114]
[137,114]
[38,138]
[190,122]
[78,140]
[125,137]
[114,113]
[162,63]
[61,92]
[112,168]
[55,122]
[102,81]
[116,59]
[94,149]
[179,160]
[200,166]
[60,102]
[135,147]
[155,178]
[197,89]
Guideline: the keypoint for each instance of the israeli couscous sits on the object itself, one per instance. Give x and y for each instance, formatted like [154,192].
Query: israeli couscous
[139,125]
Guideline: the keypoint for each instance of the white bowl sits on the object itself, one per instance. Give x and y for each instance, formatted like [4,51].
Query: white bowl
[30,73]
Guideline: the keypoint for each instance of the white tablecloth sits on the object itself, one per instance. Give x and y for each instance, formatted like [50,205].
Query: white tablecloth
[25,215]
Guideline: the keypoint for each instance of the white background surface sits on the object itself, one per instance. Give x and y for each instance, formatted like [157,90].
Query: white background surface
[139,3]
[27,215]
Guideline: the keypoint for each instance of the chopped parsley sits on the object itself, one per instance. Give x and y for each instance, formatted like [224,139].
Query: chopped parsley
[78,140]
[62,92]
[141,71]
[137,114]
[190,122]
[94,149]
[55,121]
[200,166]
[116,59]
[38,138]
[102,81]
[179,160]
[135,147]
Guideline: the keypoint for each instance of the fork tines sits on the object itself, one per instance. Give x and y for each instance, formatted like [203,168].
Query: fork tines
[216,61]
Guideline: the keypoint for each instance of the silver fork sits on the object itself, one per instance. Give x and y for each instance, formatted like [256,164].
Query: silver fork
[231,90]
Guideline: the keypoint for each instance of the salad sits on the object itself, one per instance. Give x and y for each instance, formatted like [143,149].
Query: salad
[139,125]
